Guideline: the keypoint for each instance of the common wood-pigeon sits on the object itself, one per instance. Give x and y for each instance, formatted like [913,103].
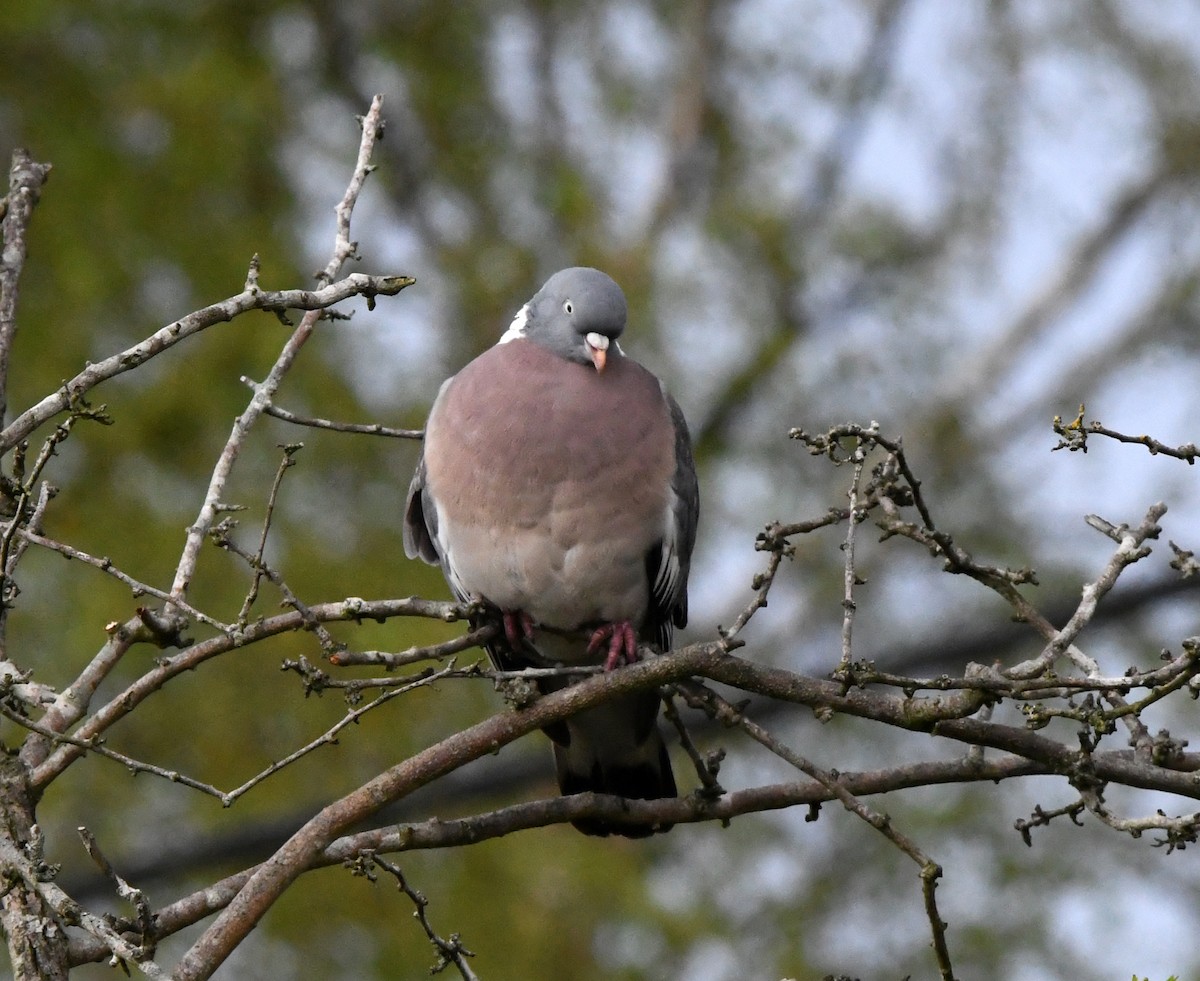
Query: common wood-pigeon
[556,485]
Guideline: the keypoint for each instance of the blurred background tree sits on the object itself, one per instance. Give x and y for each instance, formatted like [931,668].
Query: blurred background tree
[958,218]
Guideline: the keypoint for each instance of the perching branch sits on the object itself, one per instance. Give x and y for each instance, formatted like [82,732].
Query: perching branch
[957,711]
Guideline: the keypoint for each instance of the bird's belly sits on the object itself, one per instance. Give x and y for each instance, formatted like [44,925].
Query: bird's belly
[561,585]
[556,520]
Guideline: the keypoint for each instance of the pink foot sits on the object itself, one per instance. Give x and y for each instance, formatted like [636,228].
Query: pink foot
[621,641]
[518,629]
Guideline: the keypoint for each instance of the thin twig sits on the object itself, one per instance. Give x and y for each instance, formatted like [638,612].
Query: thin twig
[1131,548]
[96,745]
[317,681]
[1074,436]
[329,736]
[355,284]
[1041,818]
[849,575]
[369,429]
[135,897]
[220,534]
[265,392]
[707,766]
[288,461]
[930,870]
[33,523]
[761,584]
[139,588]
[1182,668]
[449,951]
[430,652]
[721,710]
[1180,831]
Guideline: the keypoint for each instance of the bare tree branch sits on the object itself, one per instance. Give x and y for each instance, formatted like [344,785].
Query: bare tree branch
[135,631]
[356,284]
[105,565]
[25,180]
[1058,707]
[368,429]
[449,951]
[440,833]
[343,249]
[1075,433]
[35,878]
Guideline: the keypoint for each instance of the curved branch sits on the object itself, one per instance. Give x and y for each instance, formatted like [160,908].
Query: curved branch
[264,393]
[943,716]
[438,833]
[351,609]
[1028,753]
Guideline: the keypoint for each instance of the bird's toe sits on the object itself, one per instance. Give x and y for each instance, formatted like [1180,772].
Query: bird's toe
[618,641]
[518,628]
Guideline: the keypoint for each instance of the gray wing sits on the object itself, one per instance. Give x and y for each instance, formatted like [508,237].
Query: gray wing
[420,532]
[420,512]
[670,561]
[420,520]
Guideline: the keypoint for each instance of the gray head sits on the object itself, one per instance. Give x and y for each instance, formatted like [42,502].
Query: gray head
[578,315]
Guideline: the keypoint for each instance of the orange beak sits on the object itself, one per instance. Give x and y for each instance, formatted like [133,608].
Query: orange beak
[597,345]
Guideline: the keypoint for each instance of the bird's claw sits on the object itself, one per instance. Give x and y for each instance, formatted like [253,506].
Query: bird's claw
[621,641]
[518,629]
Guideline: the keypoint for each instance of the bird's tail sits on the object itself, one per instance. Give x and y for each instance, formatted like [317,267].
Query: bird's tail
[609,751]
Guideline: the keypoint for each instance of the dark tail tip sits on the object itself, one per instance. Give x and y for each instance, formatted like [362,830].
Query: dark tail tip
[639,781]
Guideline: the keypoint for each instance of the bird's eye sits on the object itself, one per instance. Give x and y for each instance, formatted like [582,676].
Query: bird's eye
[569,307]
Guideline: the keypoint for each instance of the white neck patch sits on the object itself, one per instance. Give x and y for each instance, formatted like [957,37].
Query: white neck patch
[517,328]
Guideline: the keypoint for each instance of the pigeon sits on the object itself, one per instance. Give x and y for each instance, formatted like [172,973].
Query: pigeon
[557,488]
